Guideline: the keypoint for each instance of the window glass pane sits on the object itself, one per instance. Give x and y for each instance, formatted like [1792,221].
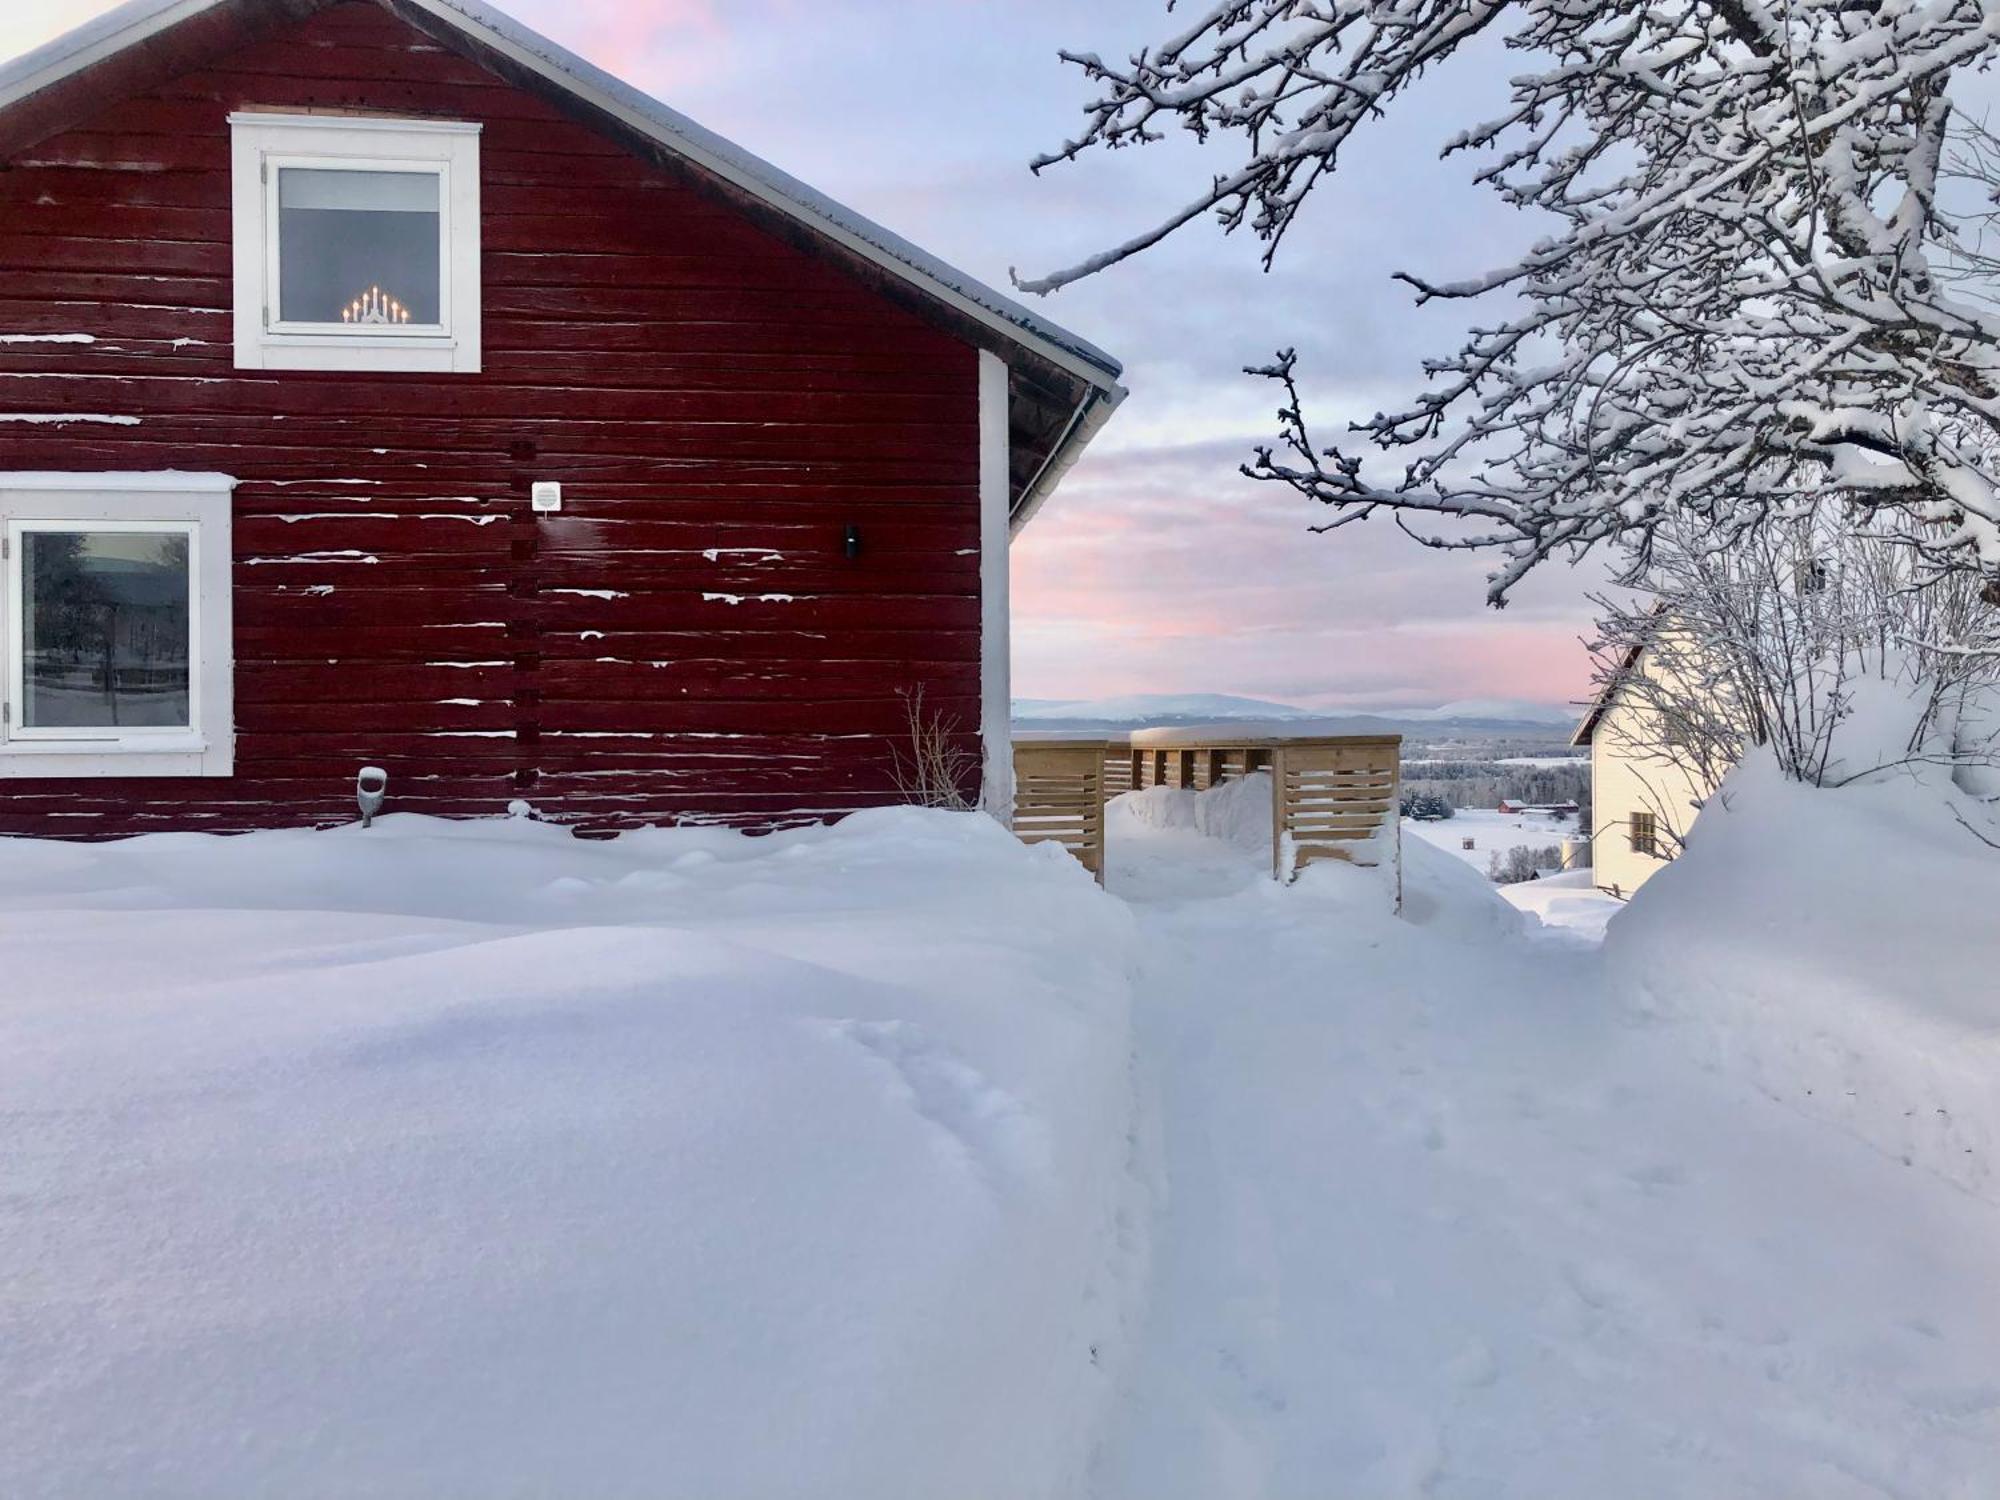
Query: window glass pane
[357,247]
[104,629]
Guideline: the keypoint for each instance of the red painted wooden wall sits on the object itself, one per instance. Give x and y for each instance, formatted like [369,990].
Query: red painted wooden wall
[686,639]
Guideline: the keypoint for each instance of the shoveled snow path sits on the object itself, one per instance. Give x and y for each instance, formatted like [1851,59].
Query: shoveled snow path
[1438,1216]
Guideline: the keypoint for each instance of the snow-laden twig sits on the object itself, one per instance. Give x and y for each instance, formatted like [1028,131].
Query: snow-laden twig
[1750,292]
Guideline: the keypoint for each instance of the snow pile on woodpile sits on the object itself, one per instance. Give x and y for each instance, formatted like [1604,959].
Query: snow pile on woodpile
[1237,812]
[475,1159]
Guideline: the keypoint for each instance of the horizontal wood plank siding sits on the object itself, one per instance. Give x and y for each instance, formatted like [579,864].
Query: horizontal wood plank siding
[686,639]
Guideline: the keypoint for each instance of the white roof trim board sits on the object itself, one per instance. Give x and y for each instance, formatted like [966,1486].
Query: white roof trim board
[137,20]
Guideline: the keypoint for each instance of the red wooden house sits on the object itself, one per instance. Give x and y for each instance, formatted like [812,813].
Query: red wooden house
[382,385]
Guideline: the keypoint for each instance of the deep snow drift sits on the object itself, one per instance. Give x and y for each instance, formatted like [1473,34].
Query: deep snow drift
[1444,1210]
[895,1160]
[1842,949]
[474,1160]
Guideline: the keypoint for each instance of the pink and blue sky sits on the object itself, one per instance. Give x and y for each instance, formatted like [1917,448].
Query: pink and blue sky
[1156,568]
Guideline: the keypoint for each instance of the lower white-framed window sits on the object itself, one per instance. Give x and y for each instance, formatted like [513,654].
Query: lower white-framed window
[116,625]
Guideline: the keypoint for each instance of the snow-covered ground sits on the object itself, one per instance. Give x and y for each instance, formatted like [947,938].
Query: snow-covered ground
[474,1160]
[1446,1209]
[1567,903]
[896,1160]
[1491,833]
[1861,984]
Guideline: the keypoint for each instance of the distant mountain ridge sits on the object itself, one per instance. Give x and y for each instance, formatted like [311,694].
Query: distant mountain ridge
[1510,710]
[1143,707]
[1131,710]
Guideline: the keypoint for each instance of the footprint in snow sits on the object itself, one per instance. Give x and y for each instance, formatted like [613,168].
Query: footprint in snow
[1657,1176]
[983,1123]
[1473,1366]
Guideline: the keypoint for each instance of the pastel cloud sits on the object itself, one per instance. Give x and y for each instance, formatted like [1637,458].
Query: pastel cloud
[1161,570]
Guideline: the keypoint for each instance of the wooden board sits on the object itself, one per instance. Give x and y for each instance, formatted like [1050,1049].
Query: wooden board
[1059,797]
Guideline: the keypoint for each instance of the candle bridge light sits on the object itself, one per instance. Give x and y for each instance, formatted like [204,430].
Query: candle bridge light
[374,306]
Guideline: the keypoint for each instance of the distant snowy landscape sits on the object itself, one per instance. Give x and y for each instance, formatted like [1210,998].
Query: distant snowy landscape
[886,1159]
[1568,900]
[1146,708]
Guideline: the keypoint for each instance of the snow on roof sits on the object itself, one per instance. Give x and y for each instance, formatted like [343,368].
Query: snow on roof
[137,20]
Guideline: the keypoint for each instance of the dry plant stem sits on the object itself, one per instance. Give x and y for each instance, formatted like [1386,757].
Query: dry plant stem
[932,767]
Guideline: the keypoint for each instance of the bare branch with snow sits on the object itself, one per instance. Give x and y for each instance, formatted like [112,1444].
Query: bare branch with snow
[1749,294]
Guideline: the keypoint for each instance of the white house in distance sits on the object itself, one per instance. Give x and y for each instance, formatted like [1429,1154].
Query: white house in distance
[1642,803]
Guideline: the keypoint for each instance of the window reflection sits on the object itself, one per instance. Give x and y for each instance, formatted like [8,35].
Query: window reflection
[104,629]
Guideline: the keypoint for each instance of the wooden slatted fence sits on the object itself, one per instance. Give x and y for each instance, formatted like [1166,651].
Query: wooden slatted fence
[1059,797]
[1336,799]
[1332,797]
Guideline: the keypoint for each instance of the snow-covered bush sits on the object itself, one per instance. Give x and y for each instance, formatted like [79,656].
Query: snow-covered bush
[1771,640]
[1736,301]
[1429,806]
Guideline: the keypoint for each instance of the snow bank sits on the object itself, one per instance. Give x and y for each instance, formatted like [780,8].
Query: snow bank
[1444,1214]
[1839,946]
[1237,812]
[473,1159]
[1569,903]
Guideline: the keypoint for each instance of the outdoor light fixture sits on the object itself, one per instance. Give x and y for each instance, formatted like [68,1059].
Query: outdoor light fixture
[371,786]
[852,543]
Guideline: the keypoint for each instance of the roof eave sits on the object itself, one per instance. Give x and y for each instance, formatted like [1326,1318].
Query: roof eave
[638,111]
[1588,728]
[1091,414]
[93,42]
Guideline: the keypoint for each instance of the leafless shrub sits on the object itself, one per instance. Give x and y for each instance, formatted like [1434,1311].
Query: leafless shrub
[1766,640]
[1522,863]
[932,767]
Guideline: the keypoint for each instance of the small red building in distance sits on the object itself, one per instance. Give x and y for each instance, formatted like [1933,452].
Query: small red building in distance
[381,385]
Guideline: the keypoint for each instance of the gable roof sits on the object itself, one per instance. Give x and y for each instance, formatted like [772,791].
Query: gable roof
[1605,694]
[1095,372]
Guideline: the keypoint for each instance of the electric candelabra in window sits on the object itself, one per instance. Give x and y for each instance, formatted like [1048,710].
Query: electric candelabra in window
[374,306]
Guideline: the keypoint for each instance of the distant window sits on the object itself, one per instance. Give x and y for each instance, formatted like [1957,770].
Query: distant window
[1645,833]
[115,625]
[357,243]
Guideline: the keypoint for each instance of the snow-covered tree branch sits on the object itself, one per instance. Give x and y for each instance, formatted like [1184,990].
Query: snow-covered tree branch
[1749,296]
[1774,642]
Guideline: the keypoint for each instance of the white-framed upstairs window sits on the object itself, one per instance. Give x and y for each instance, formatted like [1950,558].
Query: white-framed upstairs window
[356,243]
[116,625]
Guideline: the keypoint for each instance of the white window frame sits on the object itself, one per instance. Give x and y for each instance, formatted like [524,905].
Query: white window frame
[263,144]
[198,505]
